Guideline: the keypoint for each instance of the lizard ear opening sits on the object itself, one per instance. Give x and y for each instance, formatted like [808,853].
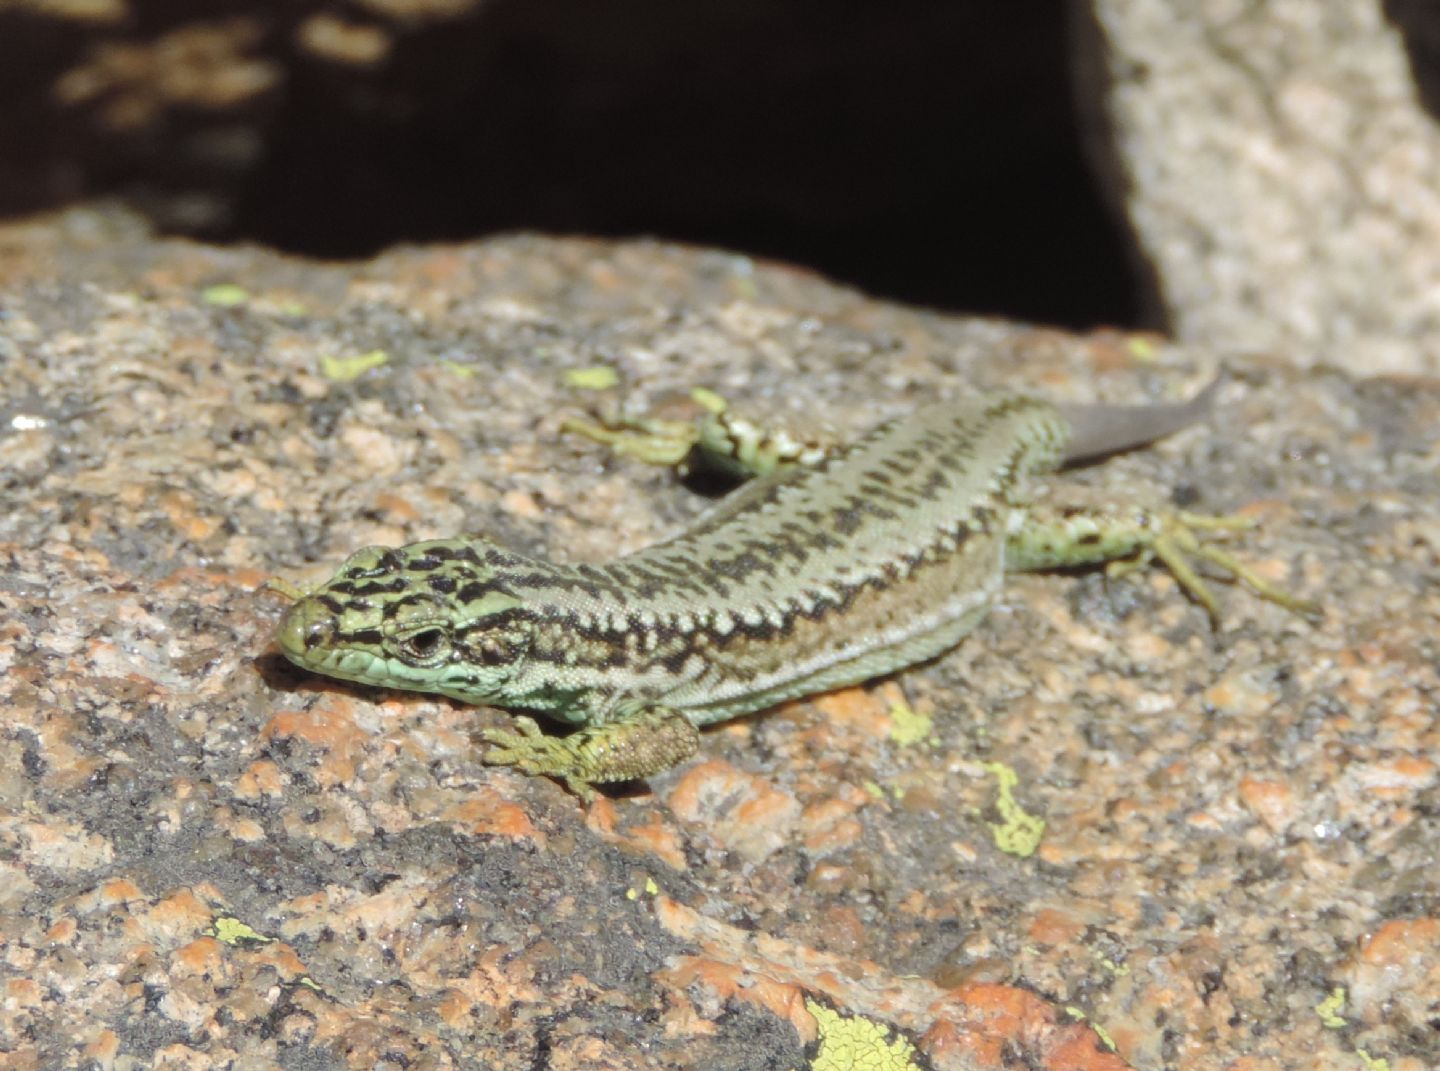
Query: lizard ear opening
[501,647]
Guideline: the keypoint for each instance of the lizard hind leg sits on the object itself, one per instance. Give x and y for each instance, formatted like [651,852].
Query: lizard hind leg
[639,743]
[1127,538]
[1182,537]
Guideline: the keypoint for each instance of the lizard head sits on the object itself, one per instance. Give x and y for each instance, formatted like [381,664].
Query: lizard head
[430,617]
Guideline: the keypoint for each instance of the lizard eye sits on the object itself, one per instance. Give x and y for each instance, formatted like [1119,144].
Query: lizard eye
[427,645]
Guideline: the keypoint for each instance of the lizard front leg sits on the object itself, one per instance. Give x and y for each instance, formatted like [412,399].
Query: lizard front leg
[639,743]
[719,440]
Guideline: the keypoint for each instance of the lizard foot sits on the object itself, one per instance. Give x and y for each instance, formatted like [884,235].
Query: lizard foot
[642,742]
[1184,536]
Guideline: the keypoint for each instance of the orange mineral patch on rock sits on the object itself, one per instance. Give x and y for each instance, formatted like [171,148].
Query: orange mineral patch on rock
[203,956]
[745,812]
[1052,926]
[829,825]
[486,812]
[1400,942]
[730,981]
[261,778]
[659,839]
[1271,802]
[180,912]
[1396,971]
[330,726]
[858,709]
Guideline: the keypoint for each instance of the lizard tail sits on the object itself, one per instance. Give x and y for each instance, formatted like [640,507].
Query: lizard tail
[1098,430]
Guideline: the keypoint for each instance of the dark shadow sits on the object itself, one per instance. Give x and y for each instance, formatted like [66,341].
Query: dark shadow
[925,152]
[1419,23]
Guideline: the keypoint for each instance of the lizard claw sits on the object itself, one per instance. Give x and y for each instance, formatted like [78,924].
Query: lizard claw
[532,752]
[1183,537]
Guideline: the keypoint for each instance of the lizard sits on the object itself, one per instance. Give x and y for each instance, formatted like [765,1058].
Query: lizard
[831,567]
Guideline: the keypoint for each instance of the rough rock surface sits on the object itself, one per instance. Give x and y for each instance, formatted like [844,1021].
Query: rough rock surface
[209,859]
[1279,167]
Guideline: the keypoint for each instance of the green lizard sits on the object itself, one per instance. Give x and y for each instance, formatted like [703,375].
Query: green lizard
[830,568]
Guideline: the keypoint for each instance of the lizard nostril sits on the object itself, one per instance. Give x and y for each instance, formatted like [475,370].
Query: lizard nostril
[306,625]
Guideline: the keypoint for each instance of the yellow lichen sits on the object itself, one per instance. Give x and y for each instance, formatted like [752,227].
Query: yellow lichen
[599,377]
[232,931]
[853,1043]
[344,369]
[1329,1008]
[225,295]
[1017,833]
[907,726]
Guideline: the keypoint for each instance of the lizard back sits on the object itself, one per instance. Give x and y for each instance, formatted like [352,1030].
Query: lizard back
[882,554]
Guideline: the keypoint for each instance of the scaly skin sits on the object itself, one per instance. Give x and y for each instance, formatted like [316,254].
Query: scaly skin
[818,575]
